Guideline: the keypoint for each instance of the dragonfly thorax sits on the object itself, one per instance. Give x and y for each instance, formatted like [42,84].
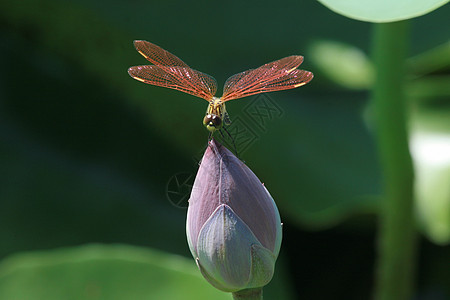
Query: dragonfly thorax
[215,112]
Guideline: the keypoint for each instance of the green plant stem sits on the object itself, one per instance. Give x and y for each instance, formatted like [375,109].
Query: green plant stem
[397,234]
[249,294]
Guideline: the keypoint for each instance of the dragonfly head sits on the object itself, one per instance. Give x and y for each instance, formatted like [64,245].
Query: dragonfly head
[212,122]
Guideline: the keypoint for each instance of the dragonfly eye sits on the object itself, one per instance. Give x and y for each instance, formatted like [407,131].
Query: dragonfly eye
[216,120]
[212,122]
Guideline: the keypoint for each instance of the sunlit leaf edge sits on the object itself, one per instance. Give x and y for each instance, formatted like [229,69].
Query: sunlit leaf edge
[337,7]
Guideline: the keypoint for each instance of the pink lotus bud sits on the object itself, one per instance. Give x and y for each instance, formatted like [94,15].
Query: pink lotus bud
[233,225]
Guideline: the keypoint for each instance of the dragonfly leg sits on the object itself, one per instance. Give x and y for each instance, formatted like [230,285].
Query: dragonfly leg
[231,138]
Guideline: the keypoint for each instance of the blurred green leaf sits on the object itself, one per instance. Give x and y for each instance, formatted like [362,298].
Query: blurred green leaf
[431,153]
[428,74]
[49,198]
[327,152]
[435,59]
[103,272]
[343,64]
[105,52]
[428,88]
[382,10]
[430,148]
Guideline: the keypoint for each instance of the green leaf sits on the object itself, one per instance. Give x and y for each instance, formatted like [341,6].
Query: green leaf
[433,60]
[430,149]
[382,10]
[102,272]
[326,149]
[45,194]
[343,64]
[431,153]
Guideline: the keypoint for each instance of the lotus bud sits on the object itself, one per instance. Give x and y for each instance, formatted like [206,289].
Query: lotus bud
[233,225]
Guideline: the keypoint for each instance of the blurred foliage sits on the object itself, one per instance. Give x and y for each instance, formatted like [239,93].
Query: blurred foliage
[87,153]
[375,11]
[103,272]
[343,64]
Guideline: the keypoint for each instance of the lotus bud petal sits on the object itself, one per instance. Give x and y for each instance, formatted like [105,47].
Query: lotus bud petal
[233,225]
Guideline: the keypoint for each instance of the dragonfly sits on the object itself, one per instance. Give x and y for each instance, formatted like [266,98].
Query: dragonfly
[171,72]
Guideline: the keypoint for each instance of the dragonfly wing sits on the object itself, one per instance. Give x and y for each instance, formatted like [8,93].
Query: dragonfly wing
[157,55]
[275,76]
[183,79]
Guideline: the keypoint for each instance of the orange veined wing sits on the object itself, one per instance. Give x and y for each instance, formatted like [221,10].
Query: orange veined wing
[279,75]
[186,80]
[171,72]
[157,55]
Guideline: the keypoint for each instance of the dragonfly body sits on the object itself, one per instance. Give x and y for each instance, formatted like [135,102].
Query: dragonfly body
[171,72]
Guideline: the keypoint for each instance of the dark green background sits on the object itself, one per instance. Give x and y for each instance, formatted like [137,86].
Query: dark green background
[86,152]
